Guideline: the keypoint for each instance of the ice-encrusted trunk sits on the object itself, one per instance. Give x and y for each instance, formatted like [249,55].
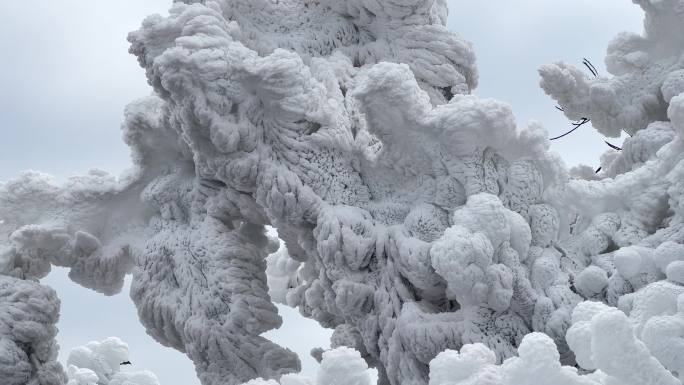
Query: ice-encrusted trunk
[416,217]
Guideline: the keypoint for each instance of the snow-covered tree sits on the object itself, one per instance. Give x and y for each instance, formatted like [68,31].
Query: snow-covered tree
[416,217]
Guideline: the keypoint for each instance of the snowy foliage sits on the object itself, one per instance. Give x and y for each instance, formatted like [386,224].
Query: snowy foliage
[417,220]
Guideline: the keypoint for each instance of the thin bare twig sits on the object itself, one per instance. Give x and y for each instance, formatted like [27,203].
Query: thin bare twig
[576,124]
[614,147]
[590,66]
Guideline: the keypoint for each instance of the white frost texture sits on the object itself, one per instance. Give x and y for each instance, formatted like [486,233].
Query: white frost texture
[341,366]
[441,242]
[99,363]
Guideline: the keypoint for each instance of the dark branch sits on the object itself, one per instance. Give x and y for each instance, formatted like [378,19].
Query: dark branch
[590,66]
[614,147]
[577,125]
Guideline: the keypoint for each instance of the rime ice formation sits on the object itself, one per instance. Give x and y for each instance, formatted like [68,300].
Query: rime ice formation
[415,217]
[604,340]
[341,366]
[648,71]
[475,364]
[80,376]
[99,363]
[28,350]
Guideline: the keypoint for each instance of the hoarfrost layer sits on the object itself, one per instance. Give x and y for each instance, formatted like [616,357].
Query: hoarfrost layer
[415,217]
[100,362]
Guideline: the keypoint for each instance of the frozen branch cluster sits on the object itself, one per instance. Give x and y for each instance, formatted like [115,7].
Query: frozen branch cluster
[648,71]
[415,218]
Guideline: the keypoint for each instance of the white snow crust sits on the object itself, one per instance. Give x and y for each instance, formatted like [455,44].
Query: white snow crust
[100,362]
[441,242]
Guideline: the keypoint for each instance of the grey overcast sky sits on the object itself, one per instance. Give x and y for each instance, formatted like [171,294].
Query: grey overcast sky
[66,76]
